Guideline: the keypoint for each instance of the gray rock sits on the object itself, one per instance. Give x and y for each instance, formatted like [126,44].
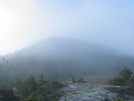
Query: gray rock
[91,92]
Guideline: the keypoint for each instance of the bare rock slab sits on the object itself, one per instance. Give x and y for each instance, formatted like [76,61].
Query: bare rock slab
[91,92]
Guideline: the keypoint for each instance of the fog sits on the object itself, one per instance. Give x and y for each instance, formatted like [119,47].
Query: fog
[106,22]
[109,23]
[63,58]
[65,38]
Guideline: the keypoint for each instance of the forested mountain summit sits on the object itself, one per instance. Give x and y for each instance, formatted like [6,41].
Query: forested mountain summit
[63,58]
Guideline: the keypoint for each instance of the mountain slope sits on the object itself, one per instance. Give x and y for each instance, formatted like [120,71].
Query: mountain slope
[58,47]
[63,58]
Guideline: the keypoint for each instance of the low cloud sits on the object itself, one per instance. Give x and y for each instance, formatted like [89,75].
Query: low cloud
[105,22]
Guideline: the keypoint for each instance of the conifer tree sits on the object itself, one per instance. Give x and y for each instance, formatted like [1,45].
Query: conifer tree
[41,80]
[18,85]
[29,85]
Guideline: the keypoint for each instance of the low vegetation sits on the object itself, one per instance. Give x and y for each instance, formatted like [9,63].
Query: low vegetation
[125,78]
[120,99]
[121,89]
[79,80]
[30,89]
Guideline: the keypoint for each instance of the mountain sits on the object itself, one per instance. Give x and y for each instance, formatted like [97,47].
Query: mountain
[65,57]
[59,47]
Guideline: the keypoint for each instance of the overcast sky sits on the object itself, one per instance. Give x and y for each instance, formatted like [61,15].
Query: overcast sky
[107,22]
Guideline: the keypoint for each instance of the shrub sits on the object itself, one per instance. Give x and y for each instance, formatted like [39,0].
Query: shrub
[121,90]
[81,80]
[125,75]
[57,94]
[120,99]
[117,81]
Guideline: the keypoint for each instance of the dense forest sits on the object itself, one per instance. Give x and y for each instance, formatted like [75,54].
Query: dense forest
[62,60]
[52,60]
[60,69]
[30,89]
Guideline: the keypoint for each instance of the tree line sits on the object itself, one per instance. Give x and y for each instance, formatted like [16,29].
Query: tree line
[30,89]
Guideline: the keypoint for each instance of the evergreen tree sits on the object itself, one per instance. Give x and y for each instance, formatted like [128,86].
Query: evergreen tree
[18,85]
[7,94]
[43,86]
[29,85]
[125,73]
[41,80]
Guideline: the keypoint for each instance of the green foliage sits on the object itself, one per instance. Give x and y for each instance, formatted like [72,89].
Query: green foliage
[120,99]
[18,85]
[125,73]
[29,85]
[121,90]
[41,80]
[59,84]
[57,93]
[55,85]
[31,90]
[117,81]
[124,76]
[44,90]
[13,67]
[7,94]
[130,82]
[32,97]
[3,86]
[81,80]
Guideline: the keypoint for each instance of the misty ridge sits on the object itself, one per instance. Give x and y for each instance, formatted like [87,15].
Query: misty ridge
[66,50]
[63,58]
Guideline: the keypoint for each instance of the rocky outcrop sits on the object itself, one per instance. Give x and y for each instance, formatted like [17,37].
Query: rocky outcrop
[91,92]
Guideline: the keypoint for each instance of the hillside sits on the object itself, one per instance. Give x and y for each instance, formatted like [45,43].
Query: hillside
[63,58]
[60,47]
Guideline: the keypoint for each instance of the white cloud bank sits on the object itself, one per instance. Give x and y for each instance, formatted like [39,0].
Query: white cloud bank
[106,22]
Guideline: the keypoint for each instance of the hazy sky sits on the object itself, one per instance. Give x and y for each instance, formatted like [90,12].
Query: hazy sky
[108,22]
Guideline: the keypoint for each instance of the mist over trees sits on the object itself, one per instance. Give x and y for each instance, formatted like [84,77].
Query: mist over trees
[62,58]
